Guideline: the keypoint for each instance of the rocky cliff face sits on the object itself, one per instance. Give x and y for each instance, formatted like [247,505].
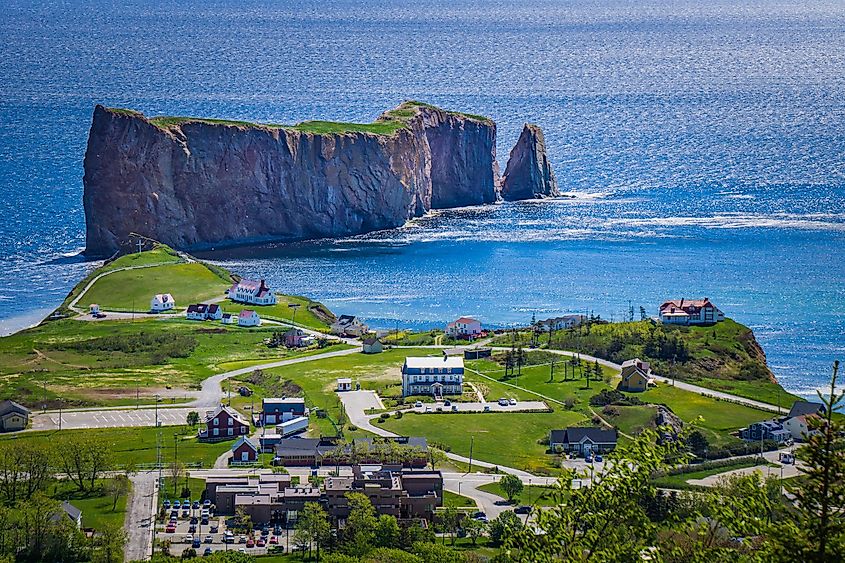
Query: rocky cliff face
[195,183]
[529,174]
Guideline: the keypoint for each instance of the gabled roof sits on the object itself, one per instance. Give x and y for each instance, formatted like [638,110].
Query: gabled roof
[575,434]
[247,313]
[228,410]
[370,340]
[800,408]
[212,309]
[346,319]
[465,320]
[9,406]
[244,440]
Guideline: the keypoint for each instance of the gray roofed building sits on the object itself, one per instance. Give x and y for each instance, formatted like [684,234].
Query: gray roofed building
[13,416]
[583,439]
[802,408]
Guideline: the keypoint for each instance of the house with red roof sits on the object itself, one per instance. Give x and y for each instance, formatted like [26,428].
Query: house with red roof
[248,317]
[252,292]
[464,327]
[690,312]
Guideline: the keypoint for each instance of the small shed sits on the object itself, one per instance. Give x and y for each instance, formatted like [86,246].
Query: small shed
[94,309]
[344,384]
[372,345]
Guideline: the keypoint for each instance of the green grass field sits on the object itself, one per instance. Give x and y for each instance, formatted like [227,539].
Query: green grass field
[101,363]
[715,418]
[98,508]
[457,501]
[129,290]
[680,481]
[138,445]
[509,439]
[532,495]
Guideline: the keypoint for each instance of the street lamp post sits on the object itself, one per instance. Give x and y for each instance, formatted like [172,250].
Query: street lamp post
[175,460]
[471,443]
[60,412]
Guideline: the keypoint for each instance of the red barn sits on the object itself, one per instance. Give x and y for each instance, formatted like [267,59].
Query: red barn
[223,423]
[244,451]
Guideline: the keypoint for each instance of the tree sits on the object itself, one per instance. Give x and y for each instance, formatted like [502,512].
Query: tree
[387,531]
[116,488]
[360,525]
[697,443]
[436,456]
[175,471]
[24,470]
[816,530]
[193,418]
[315,523]
[504,525]
[474,528]
[511,485]
[450,521]
[605,521]
[84,459]
[109,543]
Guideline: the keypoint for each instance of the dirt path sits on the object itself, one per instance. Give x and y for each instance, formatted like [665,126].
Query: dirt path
[140,508]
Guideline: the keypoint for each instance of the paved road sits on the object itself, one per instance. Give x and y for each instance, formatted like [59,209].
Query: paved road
[520,406]
[109,418]
[139,516]
[789,470]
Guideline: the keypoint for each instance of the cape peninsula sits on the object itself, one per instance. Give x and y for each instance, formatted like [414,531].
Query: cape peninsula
[196,183]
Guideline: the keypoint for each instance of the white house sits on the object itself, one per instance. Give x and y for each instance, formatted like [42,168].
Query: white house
[162,302]
[465,327]
[796,421]
[228,318]
[252,292]
[248,317]
[690,312]
[433,375]
[94,309]
[349,325]
[202,312]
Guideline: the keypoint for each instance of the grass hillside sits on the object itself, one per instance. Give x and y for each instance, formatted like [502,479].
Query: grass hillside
[724,356]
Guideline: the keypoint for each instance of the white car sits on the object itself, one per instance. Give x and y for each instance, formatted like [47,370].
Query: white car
[512,402]
[189,538]
[418,404]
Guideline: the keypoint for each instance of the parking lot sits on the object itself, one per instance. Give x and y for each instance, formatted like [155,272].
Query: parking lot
[520,406]
[189,529]
[110,418]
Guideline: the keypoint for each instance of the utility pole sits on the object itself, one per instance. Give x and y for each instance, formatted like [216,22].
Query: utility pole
[471,443]
[60,412]
[175,460]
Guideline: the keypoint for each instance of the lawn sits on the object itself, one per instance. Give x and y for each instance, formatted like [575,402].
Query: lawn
[195,485]
[134,446]
[457,501]
[532,495]
[715,418]
[101,363]
[98,509]
[308,313]
[131,290]
[632,420]
[509,439]
[680,481]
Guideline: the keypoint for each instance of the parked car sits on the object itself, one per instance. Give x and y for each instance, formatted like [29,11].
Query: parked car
[204,521]
[261,542]
[242,539]
[174,514]
[486,408]
[195,505]
[454,408]
[588,458]
[439,409]
[418,404]
[189,538]
[209,539]
[194,520]
[215,528]
[186,512]
[207,552]
[176,504]
[196,543]
[99,315]
[277,530]
[167,504]
[228,539]
[170,529]
[599,458]
[265,531]
[274,540]
[206,503]
[524,509]
[447,403]
[503,402]
[250,542]
[479,515]
[512,402]
[192,528]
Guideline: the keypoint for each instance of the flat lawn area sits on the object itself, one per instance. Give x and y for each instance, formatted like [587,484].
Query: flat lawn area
[632,420]
[532,495]
[138,445]
[101,363]
[764,391]
[195,485]
[457,501]
[680,481]
[318,379]
[508,439]
[97,506]
[538,378]
[717,418]
[132,289]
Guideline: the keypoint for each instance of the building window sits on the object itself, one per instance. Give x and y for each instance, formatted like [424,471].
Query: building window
[216,422]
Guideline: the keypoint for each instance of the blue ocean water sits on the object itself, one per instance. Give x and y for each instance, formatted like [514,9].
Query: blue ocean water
[705,142]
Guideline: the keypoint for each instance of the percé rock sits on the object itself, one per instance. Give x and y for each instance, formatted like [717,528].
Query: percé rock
[198,183]
[529,174]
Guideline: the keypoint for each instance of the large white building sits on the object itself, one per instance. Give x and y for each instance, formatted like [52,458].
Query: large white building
[162,302]
[252,292]
[433,375]
[690,312]
[464,327]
